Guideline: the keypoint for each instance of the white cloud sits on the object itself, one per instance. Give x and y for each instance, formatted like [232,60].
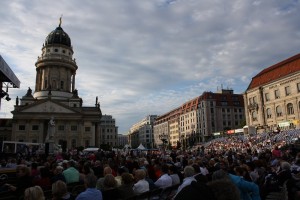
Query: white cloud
[148,57]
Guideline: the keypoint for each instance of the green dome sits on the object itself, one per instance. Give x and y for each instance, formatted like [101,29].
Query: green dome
[58,36]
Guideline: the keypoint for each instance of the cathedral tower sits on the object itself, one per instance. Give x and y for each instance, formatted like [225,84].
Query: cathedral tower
[56,68]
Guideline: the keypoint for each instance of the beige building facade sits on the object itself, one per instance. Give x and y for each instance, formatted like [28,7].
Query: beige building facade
[142,132]
[273,97]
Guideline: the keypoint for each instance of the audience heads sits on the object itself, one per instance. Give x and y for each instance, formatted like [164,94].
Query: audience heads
[196,168]
[224,190]
[220,174]
[165,169]
[189,171]
[59,169]
[59,189]
[121,170]
[22,170]
[90,181]
[109,181]
[285,165]
[35,193]
[71,163]
[107,170]
[127,178]
[172,169]
[140,174]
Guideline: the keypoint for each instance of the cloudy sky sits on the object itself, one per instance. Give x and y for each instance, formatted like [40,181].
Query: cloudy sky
[144,57]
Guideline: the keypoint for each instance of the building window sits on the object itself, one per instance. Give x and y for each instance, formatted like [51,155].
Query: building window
[21,127]
[61,85]
[224,103]
[87,143]
[250,100]
[87,129]
[55,50]
[34,141]
[287,90]
[255,99]
[61,127]
[278,111]
[267,97]
[298,87]
[73,143]
[269,113]
[290,109]
[35,127]
[254,116]
[277,94]
[236,103]
[73,128]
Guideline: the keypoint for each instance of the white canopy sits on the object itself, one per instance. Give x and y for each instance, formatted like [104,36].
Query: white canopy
[141,147]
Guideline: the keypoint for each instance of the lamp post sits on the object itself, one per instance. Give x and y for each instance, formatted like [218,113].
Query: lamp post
[163,138]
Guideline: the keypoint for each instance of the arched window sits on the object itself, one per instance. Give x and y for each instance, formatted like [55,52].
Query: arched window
[278,111]
[254,116]
[269,113]
[290,109]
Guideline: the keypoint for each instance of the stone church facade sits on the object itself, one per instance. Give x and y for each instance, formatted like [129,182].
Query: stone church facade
[55,97]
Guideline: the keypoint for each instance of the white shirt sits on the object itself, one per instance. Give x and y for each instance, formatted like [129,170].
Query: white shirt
[204,171]
[175,179]
[187,181]
[141,186]
[164,181]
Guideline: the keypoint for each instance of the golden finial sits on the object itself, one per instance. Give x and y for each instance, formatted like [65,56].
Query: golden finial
[60,20]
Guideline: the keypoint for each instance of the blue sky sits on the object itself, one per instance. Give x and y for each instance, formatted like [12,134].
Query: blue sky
[144,57]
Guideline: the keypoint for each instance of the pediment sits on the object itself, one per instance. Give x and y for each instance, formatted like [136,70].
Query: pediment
[48,106]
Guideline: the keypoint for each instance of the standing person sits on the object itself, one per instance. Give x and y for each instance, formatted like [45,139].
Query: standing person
[71,174]
[91,193]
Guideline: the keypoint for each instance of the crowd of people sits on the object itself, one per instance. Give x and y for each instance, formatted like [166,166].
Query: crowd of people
[232,168]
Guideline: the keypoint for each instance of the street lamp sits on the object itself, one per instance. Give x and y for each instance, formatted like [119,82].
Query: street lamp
[163,138]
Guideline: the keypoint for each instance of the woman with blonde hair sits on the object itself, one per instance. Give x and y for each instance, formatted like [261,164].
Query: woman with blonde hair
[60,191]
[35,193]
